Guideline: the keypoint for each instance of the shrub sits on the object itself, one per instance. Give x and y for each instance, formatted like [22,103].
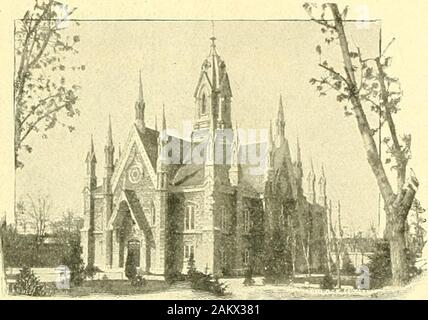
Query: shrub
[249,281]
[327,282]
[206,282]
[73,260]
[380,265]
[91,271]
[277,259]
[173,277]
[191,265]
[138,281]
[131,266]
[348,268]
[27,283]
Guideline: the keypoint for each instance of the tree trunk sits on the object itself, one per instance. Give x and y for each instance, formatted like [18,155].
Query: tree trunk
[3,284]
[396,206]
[397,242]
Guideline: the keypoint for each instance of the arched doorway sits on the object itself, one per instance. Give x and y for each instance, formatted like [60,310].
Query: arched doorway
[130,238]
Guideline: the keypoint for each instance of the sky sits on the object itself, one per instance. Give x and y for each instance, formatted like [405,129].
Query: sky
[264,59]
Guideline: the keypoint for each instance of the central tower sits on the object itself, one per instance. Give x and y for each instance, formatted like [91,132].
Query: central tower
[212,96]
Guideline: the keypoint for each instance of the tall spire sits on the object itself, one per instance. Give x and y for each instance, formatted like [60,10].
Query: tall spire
[140,106]
[156,123]
[280,123]
[299,152]
[271,141]
[109,133]
[281,117]
[108,159]
[322,188]
[91,162]
[163,119]
[91,154]
[92,145]
[311,184]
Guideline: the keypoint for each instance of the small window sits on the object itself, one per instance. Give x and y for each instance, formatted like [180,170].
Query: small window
[223,218]
[189,251]
[189,218]
[246,257]
[203,104]
[153,214]
[247,221]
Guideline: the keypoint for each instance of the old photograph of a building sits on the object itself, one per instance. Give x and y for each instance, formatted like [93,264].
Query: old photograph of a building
[200,157]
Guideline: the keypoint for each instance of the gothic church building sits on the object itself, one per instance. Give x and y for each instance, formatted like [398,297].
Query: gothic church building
[155,202]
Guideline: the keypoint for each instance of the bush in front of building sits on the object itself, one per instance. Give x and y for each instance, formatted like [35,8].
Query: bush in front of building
[91,271]
[249,281]
[327,282]
[380,265]
[203,281]
[28,284]
[207,282]
[131,266]
[73,260]
[138,280]
[348,268]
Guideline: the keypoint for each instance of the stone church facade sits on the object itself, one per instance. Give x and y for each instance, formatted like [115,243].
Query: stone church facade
[167,199]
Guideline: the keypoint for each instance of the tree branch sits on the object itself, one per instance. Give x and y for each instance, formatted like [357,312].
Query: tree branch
[38,120]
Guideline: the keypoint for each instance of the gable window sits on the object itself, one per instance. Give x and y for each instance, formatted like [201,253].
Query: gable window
[247,221]
[246,256]
[189,217]
[189,251]
[153,214]
[203,104]
[223,218]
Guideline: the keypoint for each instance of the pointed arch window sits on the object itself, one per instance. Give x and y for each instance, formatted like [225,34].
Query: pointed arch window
[204,104]
[189,217]
[153,214]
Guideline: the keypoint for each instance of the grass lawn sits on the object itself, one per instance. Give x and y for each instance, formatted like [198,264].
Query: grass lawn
[111,287]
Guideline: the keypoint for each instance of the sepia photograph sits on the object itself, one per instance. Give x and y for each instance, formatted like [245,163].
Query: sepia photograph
[155,151]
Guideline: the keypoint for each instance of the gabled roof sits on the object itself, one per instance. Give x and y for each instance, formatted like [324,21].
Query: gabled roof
[150,141]
[188,175]
[136,211]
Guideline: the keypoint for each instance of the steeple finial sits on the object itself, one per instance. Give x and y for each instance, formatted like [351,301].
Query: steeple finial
[271,141]
[163,119]
[299,153]
[213,38]
[280,123]
[140,105]
[140,91]
[92,145]
[156,123]
[90,157]
[281,110]
[110,132]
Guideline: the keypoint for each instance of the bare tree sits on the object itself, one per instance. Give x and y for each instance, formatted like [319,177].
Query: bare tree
[41,92]
[337,242]
[363,85]
[293,243]
[40,216]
